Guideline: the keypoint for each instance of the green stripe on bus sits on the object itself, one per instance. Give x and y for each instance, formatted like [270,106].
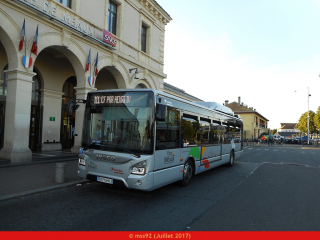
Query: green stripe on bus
[195,152]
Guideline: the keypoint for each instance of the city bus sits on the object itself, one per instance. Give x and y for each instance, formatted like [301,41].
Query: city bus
[145,139]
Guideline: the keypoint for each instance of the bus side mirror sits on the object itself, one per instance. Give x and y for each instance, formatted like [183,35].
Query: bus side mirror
[161,112]
[72,106]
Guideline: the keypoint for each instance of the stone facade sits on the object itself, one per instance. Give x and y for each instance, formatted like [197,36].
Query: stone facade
[33,99]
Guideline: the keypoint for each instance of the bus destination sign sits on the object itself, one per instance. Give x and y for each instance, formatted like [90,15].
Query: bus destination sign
[111,99]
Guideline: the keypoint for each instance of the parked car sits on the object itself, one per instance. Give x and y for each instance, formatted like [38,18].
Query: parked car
[277,137]
[294,141]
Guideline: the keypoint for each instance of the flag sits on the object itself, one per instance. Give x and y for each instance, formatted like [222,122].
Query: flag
[23,32]
[91,80]
[89,61]
[96,66]
[34,48]
[27,61]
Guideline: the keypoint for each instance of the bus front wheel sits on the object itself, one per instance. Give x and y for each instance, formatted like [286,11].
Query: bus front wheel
[187,172]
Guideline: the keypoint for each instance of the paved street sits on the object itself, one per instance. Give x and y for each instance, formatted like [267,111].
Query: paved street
[270,188]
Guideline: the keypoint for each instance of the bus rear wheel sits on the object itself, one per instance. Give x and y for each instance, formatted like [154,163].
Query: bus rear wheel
[187,173]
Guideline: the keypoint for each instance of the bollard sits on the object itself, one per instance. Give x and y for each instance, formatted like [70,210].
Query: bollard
[61,172]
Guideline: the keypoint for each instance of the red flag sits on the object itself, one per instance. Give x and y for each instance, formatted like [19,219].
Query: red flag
[96,66]
[34,48]
[89,61]
[23,36]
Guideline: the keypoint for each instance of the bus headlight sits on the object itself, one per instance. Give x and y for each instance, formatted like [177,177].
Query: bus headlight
[139,168]
[82,162]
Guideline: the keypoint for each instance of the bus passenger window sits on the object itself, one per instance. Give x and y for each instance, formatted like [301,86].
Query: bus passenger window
[214,134]
[204,132]
[167,134]
[190,130]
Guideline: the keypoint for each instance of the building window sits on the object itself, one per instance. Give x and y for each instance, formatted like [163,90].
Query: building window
[66,3]
[112,18]
[36,89]
[144,38]
[68,89]
[3,82]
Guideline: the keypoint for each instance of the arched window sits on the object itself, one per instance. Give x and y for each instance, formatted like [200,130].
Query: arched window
[141,86]
[3,82]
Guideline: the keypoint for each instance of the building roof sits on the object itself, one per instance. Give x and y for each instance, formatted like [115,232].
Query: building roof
[288,125]
[287,134]
[237,108]
[180,91]
[240,108]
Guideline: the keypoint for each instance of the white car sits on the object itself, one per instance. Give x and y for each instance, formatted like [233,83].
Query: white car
[277,137]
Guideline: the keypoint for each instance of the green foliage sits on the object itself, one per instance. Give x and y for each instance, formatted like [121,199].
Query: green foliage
[317,119]
[303,123]
[273,131]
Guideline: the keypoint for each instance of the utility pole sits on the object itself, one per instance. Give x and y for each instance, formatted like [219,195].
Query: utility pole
[308,115]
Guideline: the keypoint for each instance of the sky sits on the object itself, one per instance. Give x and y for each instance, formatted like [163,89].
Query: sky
[266,52]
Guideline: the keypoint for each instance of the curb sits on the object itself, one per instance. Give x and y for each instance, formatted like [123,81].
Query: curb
[40,190]
[5,165]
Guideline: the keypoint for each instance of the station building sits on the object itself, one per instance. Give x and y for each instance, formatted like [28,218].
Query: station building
[52,51]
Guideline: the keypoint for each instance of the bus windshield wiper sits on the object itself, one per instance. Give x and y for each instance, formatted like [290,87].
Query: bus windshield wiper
[134,154]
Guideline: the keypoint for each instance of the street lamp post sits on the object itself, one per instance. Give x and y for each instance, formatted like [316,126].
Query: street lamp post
[308,115]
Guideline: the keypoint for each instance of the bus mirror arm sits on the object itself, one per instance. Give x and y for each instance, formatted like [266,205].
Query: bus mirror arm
[161,112]
[73,105]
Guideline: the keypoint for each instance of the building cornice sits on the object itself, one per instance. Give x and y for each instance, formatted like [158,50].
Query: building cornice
[156,10]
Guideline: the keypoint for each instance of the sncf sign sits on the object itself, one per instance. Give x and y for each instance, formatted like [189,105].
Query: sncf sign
[109,38]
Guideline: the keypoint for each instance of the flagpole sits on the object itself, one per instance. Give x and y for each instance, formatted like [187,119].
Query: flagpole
[25,43]
[35,39]
[25,38]
[90,62]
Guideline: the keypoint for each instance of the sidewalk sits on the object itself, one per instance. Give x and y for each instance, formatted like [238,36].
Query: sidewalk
[17,180]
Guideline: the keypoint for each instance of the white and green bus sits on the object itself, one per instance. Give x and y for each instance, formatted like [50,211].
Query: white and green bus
[145,139]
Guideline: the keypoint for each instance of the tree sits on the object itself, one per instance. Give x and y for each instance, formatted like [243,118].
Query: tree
[303,122]
[317,119]
[273,131]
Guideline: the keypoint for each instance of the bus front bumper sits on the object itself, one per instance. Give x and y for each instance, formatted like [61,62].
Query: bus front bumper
[133,181]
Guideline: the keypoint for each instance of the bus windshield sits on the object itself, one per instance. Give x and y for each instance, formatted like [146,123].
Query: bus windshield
[119,122]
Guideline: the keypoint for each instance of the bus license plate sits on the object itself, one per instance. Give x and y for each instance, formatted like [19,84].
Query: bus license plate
[105,180]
